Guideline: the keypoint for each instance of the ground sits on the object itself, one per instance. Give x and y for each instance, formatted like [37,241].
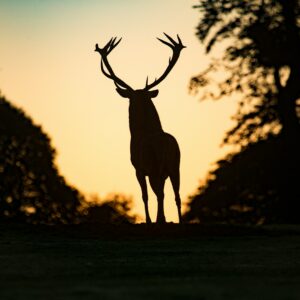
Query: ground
[156,262]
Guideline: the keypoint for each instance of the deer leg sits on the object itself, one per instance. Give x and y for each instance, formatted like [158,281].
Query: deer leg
[143,184]
[157,185]
[175,180]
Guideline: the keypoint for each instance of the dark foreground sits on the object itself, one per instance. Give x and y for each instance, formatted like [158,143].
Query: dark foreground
[140,262]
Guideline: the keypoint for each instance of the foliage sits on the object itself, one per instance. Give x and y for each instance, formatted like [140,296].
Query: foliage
[260,66]
[261,62]
[31,187]
[115,209]
[244,187]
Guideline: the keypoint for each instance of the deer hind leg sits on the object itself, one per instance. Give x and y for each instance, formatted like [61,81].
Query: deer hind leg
[175,180]
[142,181]
[157,185]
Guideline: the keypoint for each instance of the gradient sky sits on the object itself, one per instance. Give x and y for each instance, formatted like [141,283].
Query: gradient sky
[49,68]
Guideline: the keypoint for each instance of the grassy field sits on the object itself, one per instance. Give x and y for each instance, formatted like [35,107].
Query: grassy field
[140,262]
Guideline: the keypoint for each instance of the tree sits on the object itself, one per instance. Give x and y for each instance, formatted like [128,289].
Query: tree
[31,187]
[116,209]
[243,188]
[261,65]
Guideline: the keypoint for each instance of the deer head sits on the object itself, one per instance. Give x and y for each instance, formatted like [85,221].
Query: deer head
[123,88]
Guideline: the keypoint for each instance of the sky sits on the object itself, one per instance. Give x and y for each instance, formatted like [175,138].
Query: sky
[48,67]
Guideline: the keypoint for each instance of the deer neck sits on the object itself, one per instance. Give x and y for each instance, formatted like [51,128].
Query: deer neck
[143,119]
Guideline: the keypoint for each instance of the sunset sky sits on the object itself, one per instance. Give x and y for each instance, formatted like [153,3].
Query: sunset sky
[49,68]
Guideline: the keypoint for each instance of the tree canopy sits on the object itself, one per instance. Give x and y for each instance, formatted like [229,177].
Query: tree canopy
[260,65]
[31,187]
[115,209]
[243,187]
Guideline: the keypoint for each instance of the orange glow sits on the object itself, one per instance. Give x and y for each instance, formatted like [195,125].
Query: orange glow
[49,68]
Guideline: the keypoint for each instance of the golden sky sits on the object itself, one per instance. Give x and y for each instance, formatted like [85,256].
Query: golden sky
[49,68]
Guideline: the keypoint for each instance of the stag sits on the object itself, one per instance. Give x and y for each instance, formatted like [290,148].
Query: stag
[154,153]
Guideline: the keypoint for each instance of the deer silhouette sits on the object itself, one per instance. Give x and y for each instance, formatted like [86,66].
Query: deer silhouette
[154,153]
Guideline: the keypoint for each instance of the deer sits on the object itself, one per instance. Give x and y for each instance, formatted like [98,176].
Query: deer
[154,153]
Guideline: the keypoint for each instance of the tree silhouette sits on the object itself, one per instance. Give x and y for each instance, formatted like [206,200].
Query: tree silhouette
[30,186]
[261,65]
[115,209]
[243,188]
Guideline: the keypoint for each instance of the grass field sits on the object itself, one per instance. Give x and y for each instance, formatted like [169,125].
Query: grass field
[140,262]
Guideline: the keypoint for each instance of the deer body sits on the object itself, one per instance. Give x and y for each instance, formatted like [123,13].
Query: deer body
[154,153]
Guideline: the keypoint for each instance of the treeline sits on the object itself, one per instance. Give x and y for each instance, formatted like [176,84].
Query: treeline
[31,188]
[260,65]
[246,188]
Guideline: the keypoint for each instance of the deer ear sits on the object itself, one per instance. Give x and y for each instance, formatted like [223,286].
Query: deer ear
[123,92]
[153,94]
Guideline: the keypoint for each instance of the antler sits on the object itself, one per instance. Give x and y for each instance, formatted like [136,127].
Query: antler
[104,62]
[176,48]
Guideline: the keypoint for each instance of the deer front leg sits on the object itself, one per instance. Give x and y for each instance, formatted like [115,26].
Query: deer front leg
[157,184]
[143,184]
